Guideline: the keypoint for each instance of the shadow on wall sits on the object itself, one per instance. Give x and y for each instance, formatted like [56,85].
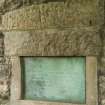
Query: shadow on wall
[1,44]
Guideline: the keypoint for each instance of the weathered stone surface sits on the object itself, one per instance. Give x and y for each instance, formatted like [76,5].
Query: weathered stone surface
[102,53]
[53,42]
[52,15]
[101,11]
[102,90]
[4,74]
[9,5]
[102,68]
[5,67]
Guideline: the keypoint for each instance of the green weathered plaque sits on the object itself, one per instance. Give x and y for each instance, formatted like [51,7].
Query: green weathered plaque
[60,79]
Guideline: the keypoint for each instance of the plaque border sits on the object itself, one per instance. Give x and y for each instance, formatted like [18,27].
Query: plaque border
[91,84]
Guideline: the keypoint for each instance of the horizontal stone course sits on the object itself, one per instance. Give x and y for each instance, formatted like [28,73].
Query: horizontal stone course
[68,42]
[52,15]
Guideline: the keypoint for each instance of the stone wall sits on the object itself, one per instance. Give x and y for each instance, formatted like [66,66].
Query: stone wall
[80,31]
[4,73]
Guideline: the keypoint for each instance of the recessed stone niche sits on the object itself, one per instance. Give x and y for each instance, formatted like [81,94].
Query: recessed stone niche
[74,81]
[54,80]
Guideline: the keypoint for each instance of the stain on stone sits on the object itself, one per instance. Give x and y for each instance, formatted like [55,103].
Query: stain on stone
[90,23]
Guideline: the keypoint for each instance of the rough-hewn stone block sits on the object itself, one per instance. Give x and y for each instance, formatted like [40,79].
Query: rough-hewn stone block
[85,41]
[53,15]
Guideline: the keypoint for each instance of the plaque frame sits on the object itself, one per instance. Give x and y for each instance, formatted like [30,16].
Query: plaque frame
[91,84]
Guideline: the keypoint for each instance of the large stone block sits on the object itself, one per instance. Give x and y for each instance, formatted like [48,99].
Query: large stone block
[70,42]
[53,15]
